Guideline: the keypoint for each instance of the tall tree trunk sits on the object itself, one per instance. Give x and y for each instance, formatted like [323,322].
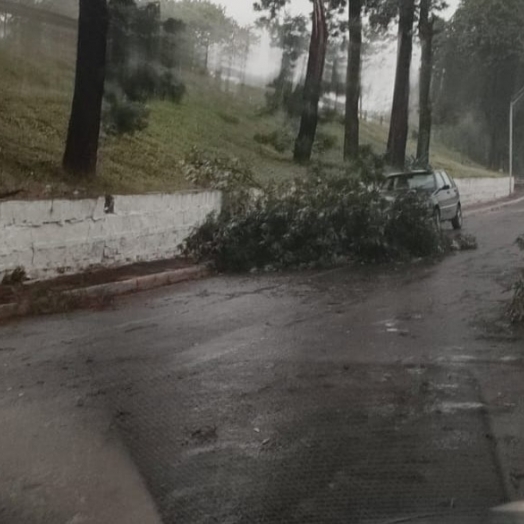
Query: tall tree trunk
[81,150]
[229,68]
[245,59]
[281,81]
[206,58]
[492,154]
[243,66]
[353,87]
[426,25]
[398,129]
[313,84]
[333,82]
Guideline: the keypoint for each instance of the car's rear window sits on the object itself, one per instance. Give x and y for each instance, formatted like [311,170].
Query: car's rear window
[418,181]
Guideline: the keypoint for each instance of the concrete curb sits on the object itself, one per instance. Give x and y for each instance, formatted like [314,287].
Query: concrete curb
[494,206]
[9,310]
[142,283]
[112,289]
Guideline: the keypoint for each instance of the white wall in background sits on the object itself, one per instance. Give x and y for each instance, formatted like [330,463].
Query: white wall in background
[478,190]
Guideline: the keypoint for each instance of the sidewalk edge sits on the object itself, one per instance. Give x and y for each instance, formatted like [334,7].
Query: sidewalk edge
[112,289]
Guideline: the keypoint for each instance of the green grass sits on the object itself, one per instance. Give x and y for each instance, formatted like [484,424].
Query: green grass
[35,99]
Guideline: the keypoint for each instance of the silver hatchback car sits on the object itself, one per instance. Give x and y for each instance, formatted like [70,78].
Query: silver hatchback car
[441,190]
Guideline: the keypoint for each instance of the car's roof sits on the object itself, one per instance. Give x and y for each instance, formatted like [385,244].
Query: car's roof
[410,173]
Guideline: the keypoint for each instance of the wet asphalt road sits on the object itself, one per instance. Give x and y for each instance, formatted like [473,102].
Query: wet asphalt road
[343,396]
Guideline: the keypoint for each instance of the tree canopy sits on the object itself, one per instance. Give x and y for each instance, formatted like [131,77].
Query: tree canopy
[480,65]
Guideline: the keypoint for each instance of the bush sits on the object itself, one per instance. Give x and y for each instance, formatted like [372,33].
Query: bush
[209,170]
[145,82]
[228,119]
[170,88]
[328,115]
[141,63]
[125,96]
[122,116]
[325,142]
[285,96]
[294,101]
[411,228]
[368,167]
[516,308]
[312,222]
[275,98]
[280,140]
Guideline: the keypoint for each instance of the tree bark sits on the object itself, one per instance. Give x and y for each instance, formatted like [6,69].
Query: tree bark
[281,81]
[425,111]
[313,85]
[81,150]
[398,130]
[206,57]
[353,83]
[334,81]
[229,69]
[245,58]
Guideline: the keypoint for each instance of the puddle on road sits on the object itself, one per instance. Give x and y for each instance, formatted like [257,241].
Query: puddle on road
[416,371]
[459,359]
[393,322]
[445,387]
[449,407]
[466,359]
[390,325]
[510,359]
[453,440]
[384,411]
[396,326]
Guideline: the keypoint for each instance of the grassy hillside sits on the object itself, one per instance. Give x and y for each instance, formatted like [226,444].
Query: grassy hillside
[34,108]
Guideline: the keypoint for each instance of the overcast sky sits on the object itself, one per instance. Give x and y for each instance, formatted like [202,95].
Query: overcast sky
[242,10]
[378,70]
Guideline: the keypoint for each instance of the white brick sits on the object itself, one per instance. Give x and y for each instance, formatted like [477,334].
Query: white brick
[73,235]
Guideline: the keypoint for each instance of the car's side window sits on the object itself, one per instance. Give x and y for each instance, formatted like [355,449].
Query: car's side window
[447,180]
[440,179]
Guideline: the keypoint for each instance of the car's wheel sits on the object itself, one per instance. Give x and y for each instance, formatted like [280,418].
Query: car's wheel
[437,220]
[458,220]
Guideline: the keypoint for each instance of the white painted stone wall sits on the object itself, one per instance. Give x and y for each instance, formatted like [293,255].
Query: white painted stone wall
[51,237]
[478,190]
